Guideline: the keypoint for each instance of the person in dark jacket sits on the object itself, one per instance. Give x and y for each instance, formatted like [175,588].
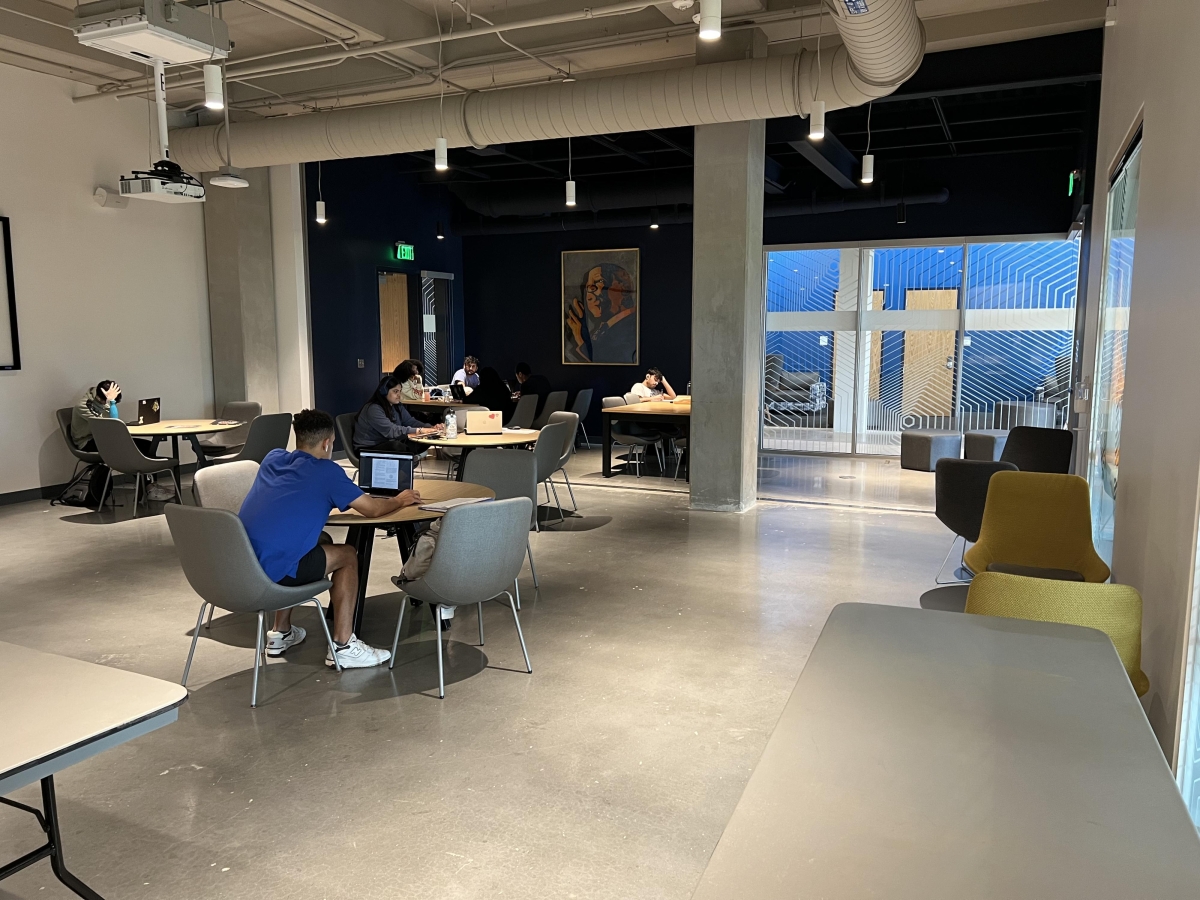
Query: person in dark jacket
[493,393]
[384,424]
[532,384]
[99,402]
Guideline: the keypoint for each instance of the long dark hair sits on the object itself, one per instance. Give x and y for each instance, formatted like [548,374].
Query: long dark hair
[407,369]
[380,396]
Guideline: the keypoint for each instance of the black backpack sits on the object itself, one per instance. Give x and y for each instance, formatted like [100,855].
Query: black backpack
[85,489]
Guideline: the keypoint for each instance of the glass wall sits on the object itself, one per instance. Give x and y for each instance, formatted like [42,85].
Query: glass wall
[865,343]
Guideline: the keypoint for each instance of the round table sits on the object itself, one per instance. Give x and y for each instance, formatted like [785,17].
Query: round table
[361,534]
[467,442]
[176,428]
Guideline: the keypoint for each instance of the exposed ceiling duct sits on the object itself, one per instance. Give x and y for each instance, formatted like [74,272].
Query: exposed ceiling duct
[883,44]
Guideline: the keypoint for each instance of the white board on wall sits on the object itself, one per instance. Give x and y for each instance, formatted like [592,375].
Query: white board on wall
[10,357]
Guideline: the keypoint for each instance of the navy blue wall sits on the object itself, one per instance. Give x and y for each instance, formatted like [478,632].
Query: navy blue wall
[514,306]
[370,206]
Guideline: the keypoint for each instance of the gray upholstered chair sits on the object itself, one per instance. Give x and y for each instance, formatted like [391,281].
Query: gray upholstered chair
[581,407]
[556,401]
[508,473]
[224,487]
[84,457]
[632,399]
[571,420]
[547,451]
[267,433]
[224,443]
[465,571]
[344,426]
[522,416]
[121,455]
[635,443]
[221,567]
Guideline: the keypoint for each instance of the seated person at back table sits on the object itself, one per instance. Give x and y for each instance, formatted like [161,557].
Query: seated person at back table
[653,387]
[532,384]
[101,402]
[384,424]
[493,393]
[411,374]
[468,375]
[284,515]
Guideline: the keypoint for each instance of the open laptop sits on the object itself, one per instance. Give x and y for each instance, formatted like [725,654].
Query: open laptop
[458,392]
[385,474]
[149,411]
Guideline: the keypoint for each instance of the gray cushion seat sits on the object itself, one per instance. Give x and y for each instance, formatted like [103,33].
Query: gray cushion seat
[986,444]
[920,449]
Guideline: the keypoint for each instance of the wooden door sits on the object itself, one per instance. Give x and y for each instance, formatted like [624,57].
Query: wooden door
[928,378]
[393,319]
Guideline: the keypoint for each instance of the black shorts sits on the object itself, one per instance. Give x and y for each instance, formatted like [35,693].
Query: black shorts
[311,568]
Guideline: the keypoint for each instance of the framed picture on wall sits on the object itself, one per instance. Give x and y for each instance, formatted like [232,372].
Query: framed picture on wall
[600,307]
[10,349]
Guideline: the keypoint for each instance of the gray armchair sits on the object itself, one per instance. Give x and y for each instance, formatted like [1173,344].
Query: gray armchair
[802,393]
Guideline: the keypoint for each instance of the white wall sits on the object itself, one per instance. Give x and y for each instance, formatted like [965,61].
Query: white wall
[294,345]
[101,293]
[1151,68]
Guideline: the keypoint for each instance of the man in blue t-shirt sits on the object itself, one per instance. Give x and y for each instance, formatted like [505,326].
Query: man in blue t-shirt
[284,515]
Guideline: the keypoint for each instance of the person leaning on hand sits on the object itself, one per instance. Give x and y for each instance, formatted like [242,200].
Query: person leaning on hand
[653,387]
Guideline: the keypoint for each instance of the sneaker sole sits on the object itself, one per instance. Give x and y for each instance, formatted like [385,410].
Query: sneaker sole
[279,651]
[358,665]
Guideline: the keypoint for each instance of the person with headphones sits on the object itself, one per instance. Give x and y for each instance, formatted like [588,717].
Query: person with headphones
[384,424]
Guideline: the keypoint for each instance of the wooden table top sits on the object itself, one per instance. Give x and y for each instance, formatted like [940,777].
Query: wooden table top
[431,489]
[929,755]
[439,404]
[654,408]
[180,426]
[503,439]
[61,710]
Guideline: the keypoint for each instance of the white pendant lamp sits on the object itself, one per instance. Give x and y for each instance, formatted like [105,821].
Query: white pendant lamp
[570,176]
[439,154]
[229,177]
[868,168]
[320,212]
[214,94]
[710,20]
[570,193]
[816,121]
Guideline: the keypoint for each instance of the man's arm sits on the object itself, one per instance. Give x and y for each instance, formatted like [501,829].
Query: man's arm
[378,507]
[667,389]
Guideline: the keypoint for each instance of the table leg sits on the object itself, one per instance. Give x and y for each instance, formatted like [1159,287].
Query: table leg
[48,820]
[607,439]
[462,462]
[201,459]
[362,539]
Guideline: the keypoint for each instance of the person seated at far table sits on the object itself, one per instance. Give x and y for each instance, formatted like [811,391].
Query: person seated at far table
[411,375]
[493,393]
[384,424]
[532,384]
[284,515]
[101,402]
[653,387]
[468,375]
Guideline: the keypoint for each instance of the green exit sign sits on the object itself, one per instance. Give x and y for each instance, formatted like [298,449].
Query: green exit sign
[405,251]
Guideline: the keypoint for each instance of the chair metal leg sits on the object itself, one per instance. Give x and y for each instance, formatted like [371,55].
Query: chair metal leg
[585,437]
[399,625]
[937,579]
[520,636]
[258,652]
[517,591]
[567,479]
[175,484]
[187,667]
[480,624]
[437,636]
[137,484]
[550,483]
[104,493]
[325,627]
[208,621]
[529,552]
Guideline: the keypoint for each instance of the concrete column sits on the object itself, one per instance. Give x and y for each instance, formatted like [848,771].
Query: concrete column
[292,320]
[727,315]
[845,356]
[241,292]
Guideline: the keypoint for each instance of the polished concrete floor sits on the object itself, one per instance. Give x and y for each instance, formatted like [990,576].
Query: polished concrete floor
[664,644]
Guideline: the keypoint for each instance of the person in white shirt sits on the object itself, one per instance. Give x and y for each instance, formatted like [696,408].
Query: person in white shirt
[468,375]
[653,387]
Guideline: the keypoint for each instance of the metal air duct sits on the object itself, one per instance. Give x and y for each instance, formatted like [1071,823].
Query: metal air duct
[883,44]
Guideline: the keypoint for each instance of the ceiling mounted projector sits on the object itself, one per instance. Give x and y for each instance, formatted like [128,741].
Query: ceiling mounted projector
[165,182]
[150,30]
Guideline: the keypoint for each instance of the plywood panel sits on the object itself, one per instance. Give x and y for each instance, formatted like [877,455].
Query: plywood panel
[393,319]
[928,382]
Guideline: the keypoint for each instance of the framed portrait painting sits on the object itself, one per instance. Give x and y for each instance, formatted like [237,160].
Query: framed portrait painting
[600,307]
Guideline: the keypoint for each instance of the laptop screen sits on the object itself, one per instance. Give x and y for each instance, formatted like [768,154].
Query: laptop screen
[385,474]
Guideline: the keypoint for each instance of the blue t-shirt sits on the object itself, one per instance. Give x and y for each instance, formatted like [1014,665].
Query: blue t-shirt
[288,504]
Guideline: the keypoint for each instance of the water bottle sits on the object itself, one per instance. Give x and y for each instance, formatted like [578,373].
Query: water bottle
[451,425]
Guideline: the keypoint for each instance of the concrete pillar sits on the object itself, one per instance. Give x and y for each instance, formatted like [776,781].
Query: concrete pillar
[845,355]
[727,315]
[292,320]
[241,292]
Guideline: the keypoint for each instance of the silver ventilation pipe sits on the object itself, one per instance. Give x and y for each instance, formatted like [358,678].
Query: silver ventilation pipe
[883,44]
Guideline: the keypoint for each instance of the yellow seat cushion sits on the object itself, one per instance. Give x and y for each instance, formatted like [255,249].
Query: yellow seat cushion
[1039,520]
[1115,609]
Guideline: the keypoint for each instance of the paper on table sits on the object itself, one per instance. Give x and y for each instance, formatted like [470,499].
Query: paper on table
[443,505]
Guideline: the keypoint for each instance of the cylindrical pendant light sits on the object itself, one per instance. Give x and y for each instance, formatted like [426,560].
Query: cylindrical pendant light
[439,154]
[320,212]
[441,235]
[654,219]
[710,20]
[816,121]
[570,193]
[868,168]
[214,95]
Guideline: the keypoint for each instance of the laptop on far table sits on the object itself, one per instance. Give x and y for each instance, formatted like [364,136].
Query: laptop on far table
[149,411]
[385,474]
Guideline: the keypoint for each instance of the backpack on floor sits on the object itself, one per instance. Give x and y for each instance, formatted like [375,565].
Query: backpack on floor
[85,490]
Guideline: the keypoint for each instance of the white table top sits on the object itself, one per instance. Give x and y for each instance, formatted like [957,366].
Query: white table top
[57,711]
[931,755]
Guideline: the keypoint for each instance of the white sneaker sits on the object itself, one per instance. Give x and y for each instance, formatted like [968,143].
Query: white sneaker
[279,641]
[357,655]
